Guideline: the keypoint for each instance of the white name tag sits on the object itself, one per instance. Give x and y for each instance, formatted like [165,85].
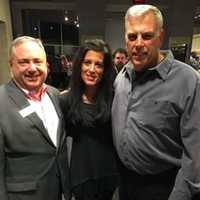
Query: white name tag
[26,111]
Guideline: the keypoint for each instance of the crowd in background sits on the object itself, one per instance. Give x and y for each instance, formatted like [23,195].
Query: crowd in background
[60,71]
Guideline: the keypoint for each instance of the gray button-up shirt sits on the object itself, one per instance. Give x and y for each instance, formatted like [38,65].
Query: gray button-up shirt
[156,122]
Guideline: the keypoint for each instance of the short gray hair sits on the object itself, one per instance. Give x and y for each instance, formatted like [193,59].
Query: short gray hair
[23,39]
[141,10]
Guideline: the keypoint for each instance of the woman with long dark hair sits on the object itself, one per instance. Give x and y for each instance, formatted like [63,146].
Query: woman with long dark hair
[87,106]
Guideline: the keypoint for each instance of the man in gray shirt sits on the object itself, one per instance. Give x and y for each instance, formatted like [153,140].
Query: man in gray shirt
[156,115]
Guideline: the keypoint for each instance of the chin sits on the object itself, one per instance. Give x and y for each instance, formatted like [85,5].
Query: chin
[33,87]
[90,85]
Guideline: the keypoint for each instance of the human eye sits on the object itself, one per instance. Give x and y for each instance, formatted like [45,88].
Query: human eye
[23,62]
[147,36]
[132,36]
[87,62]
[38,61]
[99,64]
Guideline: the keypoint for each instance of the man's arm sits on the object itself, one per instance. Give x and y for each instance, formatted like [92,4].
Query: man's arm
[187,182]
[3,193]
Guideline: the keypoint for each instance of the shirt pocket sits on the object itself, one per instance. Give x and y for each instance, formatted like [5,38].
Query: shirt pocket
[155,114]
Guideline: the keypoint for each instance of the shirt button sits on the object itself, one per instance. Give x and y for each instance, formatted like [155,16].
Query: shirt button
[128,166]
[126,159]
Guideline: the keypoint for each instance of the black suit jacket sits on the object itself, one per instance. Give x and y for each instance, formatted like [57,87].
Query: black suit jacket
[31,166]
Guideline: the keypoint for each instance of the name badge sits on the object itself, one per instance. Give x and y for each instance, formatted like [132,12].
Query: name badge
[26,111]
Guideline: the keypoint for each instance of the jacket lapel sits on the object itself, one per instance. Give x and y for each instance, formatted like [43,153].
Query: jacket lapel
[22,103]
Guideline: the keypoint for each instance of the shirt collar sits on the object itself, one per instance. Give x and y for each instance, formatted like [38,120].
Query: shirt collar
[33,95]
[128,70]
[162,68]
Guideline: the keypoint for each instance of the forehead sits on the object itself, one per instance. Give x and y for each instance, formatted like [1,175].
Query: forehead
[119,54]
[144,23]
[91,54]
[28,49]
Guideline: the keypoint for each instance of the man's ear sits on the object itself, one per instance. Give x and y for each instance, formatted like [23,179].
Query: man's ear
[47,65]
[10,68]
[161,36]
[10,62]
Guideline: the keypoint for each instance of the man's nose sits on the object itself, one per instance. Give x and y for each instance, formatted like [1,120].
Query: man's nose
[139,40]
[32,66]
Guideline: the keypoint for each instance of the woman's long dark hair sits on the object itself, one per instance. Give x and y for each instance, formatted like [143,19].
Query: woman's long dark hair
[104,95]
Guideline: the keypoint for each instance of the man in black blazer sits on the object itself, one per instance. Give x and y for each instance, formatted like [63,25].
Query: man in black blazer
[33,152]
